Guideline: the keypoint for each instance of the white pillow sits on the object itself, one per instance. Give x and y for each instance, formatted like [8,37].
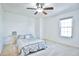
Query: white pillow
[29,36]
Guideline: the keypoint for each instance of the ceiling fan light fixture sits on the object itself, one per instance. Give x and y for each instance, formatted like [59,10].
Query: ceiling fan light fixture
[39,10]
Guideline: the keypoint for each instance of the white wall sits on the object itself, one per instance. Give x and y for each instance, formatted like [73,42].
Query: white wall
[51,28]
[1,29]
[38,27]
[19,23]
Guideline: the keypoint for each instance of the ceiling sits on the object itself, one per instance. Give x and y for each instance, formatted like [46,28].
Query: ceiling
[20,8]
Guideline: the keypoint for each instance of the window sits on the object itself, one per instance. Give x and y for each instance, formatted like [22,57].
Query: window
[66,27]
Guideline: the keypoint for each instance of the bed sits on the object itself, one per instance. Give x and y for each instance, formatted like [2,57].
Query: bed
[29,44]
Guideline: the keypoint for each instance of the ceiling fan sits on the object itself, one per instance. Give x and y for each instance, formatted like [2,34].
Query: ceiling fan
[40,8]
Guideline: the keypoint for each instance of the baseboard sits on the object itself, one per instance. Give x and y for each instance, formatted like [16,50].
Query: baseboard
[68,45]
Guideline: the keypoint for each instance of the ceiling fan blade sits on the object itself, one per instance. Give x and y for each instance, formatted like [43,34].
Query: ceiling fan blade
[35,12]
[32,8]
[44,13]
[48,8]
